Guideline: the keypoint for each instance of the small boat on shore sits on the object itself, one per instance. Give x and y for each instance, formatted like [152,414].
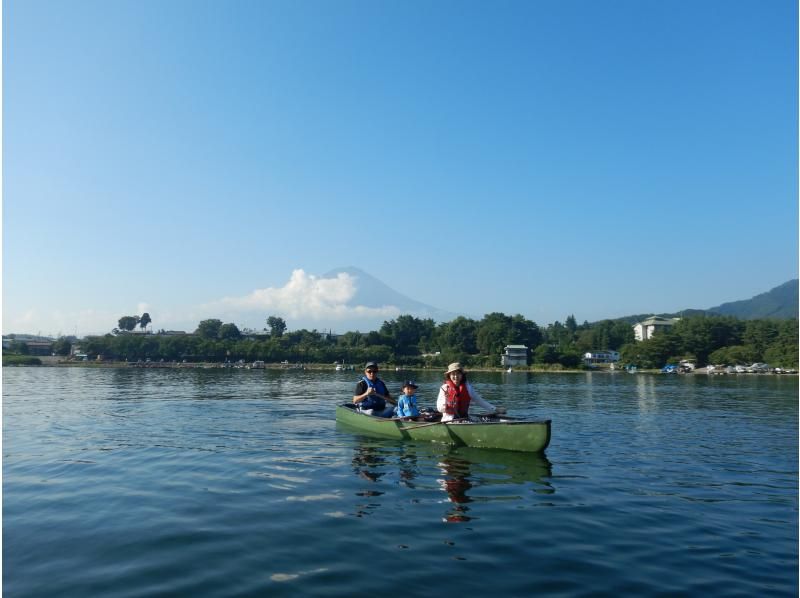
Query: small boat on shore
[496,432]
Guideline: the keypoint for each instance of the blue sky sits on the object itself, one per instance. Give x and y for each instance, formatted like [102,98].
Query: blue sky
[590,157]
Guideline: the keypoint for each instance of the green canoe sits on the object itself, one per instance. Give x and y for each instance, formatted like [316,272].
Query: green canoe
[530,436]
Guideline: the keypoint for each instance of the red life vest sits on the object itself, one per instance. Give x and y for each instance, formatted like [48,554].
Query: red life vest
[457,399]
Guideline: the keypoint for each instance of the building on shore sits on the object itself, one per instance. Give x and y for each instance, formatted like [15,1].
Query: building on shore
[647,328]
[514,355]
[36,345]
[595,357]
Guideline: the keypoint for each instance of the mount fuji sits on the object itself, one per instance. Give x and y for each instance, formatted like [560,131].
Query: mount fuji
[372,293]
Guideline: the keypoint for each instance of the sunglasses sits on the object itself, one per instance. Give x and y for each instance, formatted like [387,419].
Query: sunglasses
[372,371]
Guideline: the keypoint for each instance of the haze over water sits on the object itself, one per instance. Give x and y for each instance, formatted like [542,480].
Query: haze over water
[132,482]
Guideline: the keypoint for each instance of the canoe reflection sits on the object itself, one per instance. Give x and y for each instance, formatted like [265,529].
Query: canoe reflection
[467,476]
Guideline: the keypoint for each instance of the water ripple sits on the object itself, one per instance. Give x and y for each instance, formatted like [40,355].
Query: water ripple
[237,483]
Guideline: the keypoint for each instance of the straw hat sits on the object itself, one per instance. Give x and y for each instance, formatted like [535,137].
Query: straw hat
[455,366]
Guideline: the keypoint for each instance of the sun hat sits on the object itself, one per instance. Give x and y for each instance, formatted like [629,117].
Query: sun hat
[410,384]
[371,364]
[454,366]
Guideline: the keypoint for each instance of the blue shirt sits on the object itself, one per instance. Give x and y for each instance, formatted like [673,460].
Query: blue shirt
[406,406]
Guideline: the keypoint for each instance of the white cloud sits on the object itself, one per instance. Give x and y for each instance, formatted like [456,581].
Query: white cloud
[304,301]
[306,296]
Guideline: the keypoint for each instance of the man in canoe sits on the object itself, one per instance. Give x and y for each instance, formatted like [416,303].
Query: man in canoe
[456,394]
[371,394]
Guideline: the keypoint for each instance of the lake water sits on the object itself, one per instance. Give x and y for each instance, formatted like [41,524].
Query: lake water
[128,482]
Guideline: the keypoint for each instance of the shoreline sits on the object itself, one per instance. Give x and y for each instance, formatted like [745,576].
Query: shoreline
[49,361]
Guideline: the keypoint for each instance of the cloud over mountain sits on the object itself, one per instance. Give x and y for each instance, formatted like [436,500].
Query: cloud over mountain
[309,297]
[344,299]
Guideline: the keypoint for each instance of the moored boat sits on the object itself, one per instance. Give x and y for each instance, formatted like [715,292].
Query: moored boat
[497,433]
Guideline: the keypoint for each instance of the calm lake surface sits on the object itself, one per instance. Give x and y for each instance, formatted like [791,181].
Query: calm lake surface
[128,482]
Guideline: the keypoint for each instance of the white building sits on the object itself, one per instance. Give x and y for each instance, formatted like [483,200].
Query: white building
[647,328]
[514,355]
[601,357]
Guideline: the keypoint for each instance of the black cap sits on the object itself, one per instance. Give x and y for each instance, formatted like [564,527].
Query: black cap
[410,383]
[371,364]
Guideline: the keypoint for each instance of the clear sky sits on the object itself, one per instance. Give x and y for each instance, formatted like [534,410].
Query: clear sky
[591,157]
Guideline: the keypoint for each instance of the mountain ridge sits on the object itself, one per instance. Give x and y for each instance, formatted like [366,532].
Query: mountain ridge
[780,302]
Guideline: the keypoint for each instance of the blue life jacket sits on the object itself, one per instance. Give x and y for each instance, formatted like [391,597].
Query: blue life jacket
[373,402]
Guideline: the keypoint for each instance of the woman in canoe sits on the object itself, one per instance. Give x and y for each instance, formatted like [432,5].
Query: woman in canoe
[456,394]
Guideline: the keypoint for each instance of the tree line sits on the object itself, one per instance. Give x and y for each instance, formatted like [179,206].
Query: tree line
[412,341]
[720,340]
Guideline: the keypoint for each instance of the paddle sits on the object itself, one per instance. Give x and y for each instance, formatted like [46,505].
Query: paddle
[380,396]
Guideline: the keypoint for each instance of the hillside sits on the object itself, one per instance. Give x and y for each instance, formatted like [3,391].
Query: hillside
[780,302]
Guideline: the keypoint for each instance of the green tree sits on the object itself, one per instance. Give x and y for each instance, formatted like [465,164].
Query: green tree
[209,329]
[458,335]
[406,333]
[783,351]
[704,335]
[351,339]
[144,321]
[277,326]
[734,355]
[229,332]
[760,334]
[558,334]
[570,324]
[655,352]
[493,333]
[604,335]
[545,354]
[128,322]
[62,346]
[524,332]
[175,348]
[570,358]
[98,345]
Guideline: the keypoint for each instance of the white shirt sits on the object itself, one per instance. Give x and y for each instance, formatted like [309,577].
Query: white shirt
[475,397]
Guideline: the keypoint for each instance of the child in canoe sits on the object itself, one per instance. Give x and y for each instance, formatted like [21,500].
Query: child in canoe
[407,402]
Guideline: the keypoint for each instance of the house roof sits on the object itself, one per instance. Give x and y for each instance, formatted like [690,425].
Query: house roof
[658,321]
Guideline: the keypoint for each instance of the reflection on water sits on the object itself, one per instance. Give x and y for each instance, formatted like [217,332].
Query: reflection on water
[456,483]
[646,393]
[465,475]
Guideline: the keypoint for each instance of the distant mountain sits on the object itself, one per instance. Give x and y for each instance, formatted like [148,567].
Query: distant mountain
[371,292]
[780,302]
